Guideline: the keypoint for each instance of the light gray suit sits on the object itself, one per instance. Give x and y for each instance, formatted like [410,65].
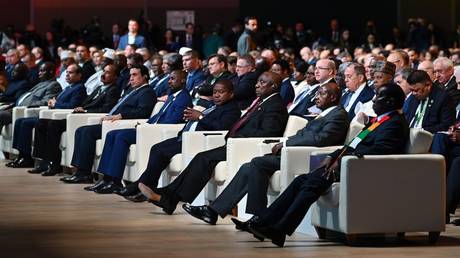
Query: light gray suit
[37,96]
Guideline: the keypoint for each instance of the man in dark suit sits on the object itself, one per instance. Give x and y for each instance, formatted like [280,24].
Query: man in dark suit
[445,79]
[267,117]
[85,62]
[191,39]
[429,107]
[217,66]
[48,132]
[357,89]
[132,37]
[137,103]
[117,142]
[244,81]
[304,102]
[17,86]
[221,116]
[253,178]
[282,68]
[191,63]
[39,95]
[388,136]
[71,97]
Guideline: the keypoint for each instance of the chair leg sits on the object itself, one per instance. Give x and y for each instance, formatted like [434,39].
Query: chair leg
[433,237]
[351,239]
[321,232]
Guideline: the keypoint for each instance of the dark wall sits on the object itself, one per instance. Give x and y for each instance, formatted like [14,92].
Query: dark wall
[317,14]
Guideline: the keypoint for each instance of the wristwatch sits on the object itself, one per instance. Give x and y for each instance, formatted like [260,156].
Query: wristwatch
[200,117]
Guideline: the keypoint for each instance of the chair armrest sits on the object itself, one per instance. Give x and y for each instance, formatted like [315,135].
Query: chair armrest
[240,151]
[73,122]
[295,160]
[108,126]
[48,113]
[377,186]
[170,130]
[265,147]
[148,135]
[34,112]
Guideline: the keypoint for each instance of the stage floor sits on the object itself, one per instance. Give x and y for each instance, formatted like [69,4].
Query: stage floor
[43,217]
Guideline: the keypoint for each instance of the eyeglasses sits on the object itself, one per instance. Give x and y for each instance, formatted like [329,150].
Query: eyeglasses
[322,68]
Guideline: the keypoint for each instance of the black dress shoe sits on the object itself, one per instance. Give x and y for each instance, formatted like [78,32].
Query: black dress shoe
[23,163]
[108,189]
[37,170]
[77,179]
[12,163]
[278,238]
[136,198]
[455,222]
[98,185]
[204,213]
[129,190]
[244,226]
[52,171]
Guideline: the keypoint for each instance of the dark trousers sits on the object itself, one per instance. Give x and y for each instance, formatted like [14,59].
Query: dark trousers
[252,178]
[453,186]
[6,117]
[22,137]
[115,152]
[160,157]
[48,138]
[193,179]
[287,212]
[444,146]
[85,147]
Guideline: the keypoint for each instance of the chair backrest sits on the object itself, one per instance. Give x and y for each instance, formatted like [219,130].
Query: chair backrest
[353,130]
[294,124]
[419,141]
[157,108]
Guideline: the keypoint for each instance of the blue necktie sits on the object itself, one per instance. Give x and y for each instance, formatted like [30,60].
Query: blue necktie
[121,102]
[347,98]
[163,109]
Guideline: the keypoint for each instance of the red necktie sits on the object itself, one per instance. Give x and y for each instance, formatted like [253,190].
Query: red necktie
[245,118]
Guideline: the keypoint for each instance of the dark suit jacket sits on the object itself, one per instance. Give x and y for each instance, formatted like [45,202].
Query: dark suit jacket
[194,79]
[197,42]
[138,105]
[104,102]
[287,92]
[302,107]
[14,90]
[451,89]
[323,131]
[174,113]
[439,114]
[269,120]
[388,138]
[221,118]
[162,88]
[88,70]
[71,97]
[364,96]
[245,90]
[123,79]
[139,41]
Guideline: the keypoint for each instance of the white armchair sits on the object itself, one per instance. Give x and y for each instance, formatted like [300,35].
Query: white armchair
[242,150]
[386,194]
[8,130]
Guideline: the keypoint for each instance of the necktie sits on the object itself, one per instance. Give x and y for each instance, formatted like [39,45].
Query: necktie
[121,102]
[347,98]
[298,99]
[245,118]
[163,109]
